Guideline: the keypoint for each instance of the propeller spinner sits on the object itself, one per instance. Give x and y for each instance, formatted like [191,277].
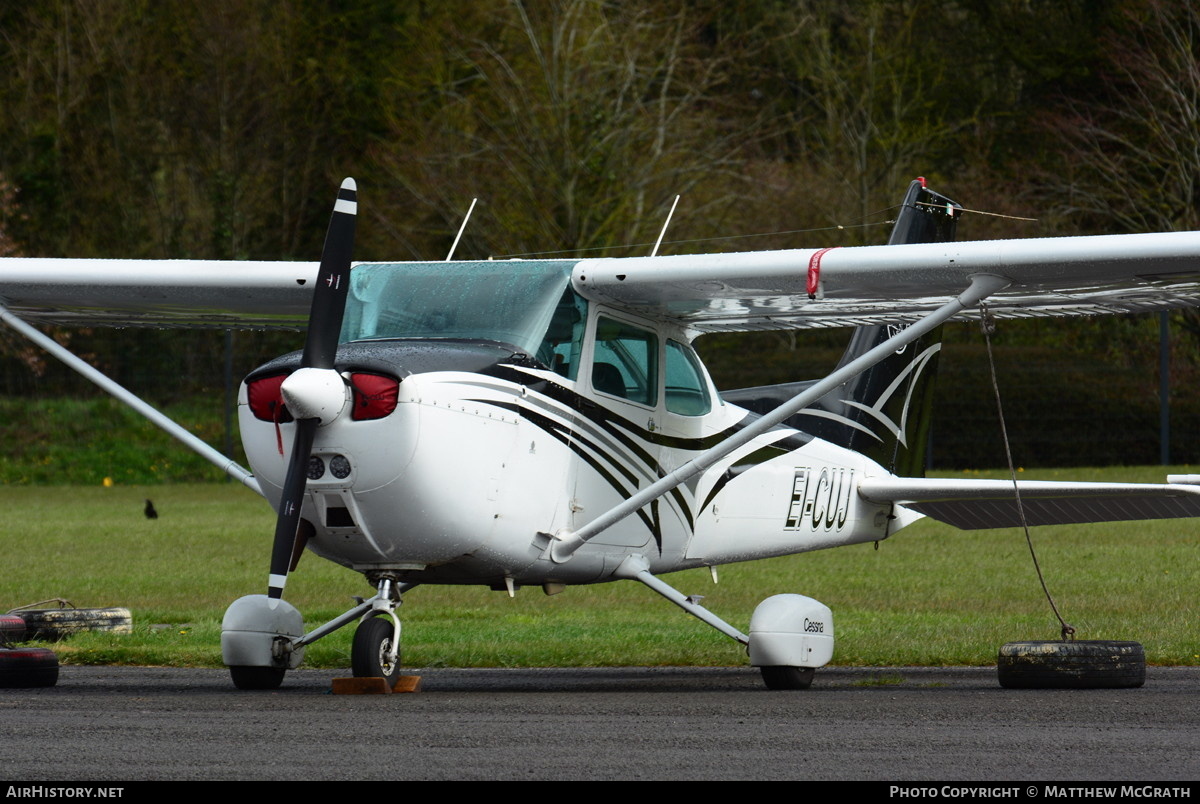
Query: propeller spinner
[315,393]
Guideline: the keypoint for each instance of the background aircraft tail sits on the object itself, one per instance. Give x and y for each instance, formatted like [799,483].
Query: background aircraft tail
[883,413]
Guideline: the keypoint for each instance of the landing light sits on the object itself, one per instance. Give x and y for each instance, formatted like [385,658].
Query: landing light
[339,466]
[316,468]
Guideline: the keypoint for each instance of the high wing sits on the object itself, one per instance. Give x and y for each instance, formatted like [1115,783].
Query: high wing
[158,293]
[707,292]
[898,283]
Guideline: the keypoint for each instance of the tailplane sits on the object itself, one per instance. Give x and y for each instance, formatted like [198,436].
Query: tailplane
[883,413]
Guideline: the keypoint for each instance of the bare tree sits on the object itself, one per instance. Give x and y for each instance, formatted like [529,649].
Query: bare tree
[861,101]
[1131,154]
[576,127]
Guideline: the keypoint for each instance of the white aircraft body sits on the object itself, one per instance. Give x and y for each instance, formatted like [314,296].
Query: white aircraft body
[547,423]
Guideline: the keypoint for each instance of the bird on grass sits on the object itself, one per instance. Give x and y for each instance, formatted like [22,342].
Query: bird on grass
[149,510]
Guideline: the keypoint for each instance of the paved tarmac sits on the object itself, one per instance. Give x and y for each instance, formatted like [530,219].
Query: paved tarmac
[915,724]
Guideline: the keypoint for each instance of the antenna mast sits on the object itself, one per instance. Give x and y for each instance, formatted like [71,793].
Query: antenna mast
[666,223]
[458,236]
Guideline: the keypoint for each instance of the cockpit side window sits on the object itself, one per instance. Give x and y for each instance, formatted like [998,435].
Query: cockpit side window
[686,392]
[625,362]
[563,344]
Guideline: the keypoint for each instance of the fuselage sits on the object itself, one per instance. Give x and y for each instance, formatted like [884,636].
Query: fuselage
[470,453]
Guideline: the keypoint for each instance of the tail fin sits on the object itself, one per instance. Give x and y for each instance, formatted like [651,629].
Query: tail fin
[883,413]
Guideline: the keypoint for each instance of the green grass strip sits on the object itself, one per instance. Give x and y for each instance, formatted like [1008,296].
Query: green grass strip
[930,595]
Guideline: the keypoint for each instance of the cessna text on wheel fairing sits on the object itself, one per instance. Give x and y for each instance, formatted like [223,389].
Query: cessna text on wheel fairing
[522,422]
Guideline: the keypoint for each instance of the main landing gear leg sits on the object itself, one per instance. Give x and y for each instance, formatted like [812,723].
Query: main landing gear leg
[790,635]
[375,652]
[637,568]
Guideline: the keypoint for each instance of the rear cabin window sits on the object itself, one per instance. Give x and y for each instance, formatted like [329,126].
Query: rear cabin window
[687,393]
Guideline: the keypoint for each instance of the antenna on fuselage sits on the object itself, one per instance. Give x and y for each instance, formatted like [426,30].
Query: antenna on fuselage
[666,223]
[458,236]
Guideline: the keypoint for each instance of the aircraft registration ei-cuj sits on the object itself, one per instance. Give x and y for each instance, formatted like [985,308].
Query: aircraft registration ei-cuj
[547,423]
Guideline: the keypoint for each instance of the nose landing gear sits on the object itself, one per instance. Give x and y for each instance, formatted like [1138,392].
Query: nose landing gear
[375,652]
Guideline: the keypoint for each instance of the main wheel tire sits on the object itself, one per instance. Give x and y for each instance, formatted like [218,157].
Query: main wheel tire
[12,629]
[1085,664]
[56,624]
[788,678]
[28,667]
[257,678]
[368,654]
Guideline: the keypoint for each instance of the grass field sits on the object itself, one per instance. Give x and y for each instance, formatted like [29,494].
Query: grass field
[931,595]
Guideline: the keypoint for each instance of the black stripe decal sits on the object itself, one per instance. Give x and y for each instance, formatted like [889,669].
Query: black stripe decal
[740,465]
[553,427]
[581,411]
[575,444]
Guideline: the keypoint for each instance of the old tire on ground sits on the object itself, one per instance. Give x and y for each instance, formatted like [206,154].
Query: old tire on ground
[1084,664]
[368,654]
[12,629]
[787,678]
[55,624]
[28,667]
[257,678]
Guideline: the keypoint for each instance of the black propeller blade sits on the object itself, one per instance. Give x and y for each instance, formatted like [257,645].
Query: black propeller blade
[320,348]
[333,282]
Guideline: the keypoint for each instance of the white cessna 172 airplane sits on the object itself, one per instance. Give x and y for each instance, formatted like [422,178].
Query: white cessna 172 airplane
[547,422]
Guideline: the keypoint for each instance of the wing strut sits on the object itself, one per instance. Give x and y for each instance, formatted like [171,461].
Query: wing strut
[226,465]
[637,568]
[567,542]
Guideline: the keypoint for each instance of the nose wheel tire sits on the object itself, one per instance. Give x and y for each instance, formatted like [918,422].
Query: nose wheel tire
[787,678]
[369,653]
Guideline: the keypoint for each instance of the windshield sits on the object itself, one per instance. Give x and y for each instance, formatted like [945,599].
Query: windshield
[510,301]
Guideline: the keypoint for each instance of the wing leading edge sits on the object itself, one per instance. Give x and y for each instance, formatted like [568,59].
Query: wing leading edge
[898,283]
[158,293]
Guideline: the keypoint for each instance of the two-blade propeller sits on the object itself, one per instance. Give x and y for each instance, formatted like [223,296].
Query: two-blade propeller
[315,393]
